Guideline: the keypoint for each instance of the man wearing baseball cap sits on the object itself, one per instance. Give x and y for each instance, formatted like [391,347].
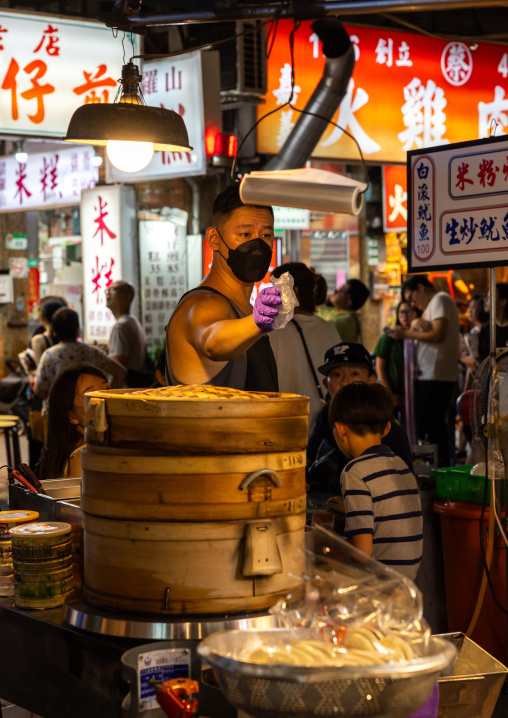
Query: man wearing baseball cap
[344,364]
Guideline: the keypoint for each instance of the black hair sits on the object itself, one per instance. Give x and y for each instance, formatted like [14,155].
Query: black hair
[414,309]
[502,293]
[312,287]
[49,308]
[412,283]
[65,324]
[363,408]
[227,201]
[63,437]
[358,293]
[482,315]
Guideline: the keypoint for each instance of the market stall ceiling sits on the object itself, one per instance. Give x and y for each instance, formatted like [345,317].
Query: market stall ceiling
[477,20]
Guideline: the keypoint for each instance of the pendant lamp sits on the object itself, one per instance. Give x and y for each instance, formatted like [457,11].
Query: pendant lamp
[130,129]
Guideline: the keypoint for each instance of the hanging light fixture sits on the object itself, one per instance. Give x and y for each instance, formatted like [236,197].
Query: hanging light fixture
[130,129]
[20,153]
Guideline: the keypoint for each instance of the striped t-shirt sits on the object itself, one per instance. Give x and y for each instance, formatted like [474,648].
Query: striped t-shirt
[381,498]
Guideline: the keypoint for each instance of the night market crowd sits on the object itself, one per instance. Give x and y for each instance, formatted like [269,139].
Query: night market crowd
[215,336]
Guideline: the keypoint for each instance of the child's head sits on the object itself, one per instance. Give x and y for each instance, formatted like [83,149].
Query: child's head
[361,410]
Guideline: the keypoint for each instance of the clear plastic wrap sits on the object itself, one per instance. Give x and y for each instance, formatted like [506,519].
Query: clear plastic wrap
[289,301]
[317,663]
[363,611]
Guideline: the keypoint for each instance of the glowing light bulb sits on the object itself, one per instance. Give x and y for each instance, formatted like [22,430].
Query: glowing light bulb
[96,159]
[129,156]
[21,156]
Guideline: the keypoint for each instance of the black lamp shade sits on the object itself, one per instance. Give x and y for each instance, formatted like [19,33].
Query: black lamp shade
[95,124]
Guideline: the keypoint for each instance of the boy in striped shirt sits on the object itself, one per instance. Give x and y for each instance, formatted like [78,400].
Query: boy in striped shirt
[381,498]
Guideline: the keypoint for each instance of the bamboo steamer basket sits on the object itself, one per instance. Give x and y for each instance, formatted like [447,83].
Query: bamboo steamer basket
[192,488]
[197,420]
[184,567]
[214,522]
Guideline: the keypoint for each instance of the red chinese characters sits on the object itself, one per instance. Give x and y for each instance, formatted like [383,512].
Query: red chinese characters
[461,176]
[3,30]
[101,277]
[49,177]
[20,182]
[95,81]
[101,223]
[37,69]
[49,41]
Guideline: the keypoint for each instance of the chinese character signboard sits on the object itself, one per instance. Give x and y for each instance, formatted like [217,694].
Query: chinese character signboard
[291,218]
[394,198]
[163,263]
[174,84]
[46,179]
[458,212]
[49,66]
[407,92]
[106,247]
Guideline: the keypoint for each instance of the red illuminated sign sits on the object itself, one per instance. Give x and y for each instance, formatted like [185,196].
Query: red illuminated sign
[394,198]
[407,92]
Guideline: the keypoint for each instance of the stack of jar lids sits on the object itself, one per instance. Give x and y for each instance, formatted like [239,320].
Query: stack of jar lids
[8,521]
[42,557]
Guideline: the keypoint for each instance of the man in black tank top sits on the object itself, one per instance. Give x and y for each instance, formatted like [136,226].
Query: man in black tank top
[214,336]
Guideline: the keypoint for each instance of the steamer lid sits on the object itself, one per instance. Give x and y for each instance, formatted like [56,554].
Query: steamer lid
[17,516]
[40,529]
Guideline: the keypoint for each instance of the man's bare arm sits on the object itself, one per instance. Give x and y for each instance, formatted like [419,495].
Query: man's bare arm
[214,331]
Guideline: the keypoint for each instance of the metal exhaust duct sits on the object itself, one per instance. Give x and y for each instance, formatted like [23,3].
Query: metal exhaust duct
[326,98]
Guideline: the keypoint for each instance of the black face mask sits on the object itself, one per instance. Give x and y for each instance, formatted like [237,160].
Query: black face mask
[250,261]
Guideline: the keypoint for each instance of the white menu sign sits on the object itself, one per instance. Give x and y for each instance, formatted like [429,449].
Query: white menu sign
[50,66]
[102,257]
[458,210]
[174,84]
[46,179]
[163,262]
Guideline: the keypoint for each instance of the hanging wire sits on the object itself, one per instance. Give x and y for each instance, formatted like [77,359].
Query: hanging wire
[123,48]
[296,25]
[288,103]
[493,127]
[270,36]
[114,32]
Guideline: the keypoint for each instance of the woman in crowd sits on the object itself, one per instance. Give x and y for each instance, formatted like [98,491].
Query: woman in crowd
[389,354]
[299,348]
[65,440]
[43,340]
[470,345]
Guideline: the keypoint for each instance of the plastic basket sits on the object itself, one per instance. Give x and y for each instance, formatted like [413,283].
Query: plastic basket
[456,482]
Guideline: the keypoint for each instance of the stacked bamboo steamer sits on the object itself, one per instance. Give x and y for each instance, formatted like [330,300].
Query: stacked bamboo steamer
[193,499]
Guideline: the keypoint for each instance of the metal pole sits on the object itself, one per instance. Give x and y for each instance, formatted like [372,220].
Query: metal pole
[492,317]
[299,10]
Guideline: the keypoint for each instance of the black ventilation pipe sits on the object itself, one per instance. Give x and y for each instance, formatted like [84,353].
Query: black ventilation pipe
[326,98]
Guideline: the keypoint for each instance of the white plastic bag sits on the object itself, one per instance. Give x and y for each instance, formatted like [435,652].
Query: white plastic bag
[289,301]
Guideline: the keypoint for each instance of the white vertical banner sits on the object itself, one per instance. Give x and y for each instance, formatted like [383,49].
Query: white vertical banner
[105,234]
[163,264]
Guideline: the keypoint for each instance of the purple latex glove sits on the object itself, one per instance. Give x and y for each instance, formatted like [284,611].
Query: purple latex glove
[265,308]
[430,708]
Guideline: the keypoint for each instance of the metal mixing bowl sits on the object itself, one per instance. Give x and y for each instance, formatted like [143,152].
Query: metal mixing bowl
[271,691]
